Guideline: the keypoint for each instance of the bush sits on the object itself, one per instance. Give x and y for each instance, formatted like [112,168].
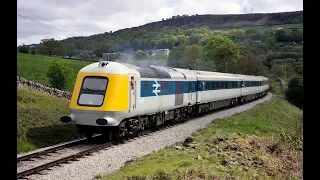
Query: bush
[24,49]
[294,94]
[57,74]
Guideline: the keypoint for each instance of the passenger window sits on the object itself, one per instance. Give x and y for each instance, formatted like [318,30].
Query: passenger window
[145,85]
[222,85]
[213,85]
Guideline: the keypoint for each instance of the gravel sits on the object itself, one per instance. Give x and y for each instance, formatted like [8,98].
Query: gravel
[37,161]
[113,158]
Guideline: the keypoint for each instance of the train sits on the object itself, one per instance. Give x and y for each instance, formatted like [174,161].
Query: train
[120,99]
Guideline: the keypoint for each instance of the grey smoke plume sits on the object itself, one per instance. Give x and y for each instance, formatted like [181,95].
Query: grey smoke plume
[128,58]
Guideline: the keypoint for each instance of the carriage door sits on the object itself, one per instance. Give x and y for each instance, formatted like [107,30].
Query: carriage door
[189,92]
[132,89]
[178,93]
[242,87]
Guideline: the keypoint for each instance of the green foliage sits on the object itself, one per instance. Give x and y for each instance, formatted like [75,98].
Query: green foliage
[203,65]
[57,74]
[51,47]
[24,49]
[282,61]
[250,66]
[298,68]
[33,51]
[221,50]
[296,49]
[294,93]
[141,55]
[282,55]
[38,120]
[282,70]
[190,54]
[286,35]
[175,55]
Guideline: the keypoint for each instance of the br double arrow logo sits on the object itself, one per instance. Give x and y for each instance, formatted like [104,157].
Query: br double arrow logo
[156,90]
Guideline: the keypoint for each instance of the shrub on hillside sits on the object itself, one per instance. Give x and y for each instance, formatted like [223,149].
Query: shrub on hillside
[57,74]
[294,93]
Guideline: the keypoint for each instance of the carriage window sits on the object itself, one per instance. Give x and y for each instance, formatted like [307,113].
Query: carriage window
[213,85]
[145,85]
[229,84]
[222,85]
[234,84]
[164,85]
[93,91]
[218,85]
[207,85]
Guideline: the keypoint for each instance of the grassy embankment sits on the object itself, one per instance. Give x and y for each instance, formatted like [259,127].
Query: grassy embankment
[35,67]
[263,143]
[38,120]
[38,114]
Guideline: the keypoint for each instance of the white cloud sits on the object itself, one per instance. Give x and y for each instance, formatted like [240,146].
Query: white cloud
[98,16]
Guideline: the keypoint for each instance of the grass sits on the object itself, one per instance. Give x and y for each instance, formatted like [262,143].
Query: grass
[276,88]
[263,143]
[38,120]
[35,67]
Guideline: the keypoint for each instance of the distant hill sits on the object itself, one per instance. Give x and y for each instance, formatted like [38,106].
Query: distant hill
[171,32]
[223,21]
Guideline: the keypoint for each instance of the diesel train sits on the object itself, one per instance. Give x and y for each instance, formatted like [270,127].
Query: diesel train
[118,99]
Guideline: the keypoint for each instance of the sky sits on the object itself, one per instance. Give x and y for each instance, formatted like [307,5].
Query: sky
[60,19]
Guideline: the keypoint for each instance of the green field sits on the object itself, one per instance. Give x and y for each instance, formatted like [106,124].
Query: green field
[263,143]
[284,26]
[38,120]
[35,67]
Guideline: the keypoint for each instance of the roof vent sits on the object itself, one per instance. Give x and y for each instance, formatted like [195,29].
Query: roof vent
[103,63]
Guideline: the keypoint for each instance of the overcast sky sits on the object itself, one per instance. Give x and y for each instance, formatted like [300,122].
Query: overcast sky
[59,19]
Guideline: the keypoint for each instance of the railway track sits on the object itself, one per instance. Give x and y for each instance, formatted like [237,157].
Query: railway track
[75,156]
[95,148]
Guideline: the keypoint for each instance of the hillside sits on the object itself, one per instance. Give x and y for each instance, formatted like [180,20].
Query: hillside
[146,36]
[223,21]
[38,120]
[170,33]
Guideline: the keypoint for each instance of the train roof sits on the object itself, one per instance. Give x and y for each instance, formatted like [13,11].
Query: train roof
[151,71]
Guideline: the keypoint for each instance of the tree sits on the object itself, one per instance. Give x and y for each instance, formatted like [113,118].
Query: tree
[141,55]
[221,50]
[190,54]
[294,93]
[298,68]
[281,70]
[51,47]
[33,51]
[175,56]
[203,65]
[250,65]
[24,49]
[57,74]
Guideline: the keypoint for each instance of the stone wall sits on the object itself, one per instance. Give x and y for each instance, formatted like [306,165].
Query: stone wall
[22,82]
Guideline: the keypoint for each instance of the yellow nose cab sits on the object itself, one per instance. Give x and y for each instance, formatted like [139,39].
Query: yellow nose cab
[100,97]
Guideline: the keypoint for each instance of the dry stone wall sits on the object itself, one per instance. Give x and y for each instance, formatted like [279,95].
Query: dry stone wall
[22,82]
